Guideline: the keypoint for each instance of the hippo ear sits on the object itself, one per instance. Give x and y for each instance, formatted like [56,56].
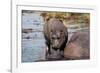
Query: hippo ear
[47,19]
[61,20]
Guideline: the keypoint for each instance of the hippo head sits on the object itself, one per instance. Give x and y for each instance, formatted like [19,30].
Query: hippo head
[58,34]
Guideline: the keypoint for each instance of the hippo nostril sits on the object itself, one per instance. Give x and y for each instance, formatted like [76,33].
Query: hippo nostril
[58,38]
[53,38]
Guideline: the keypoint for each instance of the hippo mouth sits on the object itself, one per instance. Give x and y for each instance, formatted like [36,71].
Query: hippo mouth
[55,48]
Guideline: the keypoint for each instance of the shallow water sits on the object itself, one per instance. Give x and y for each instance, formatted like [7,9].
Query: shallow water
[33,43]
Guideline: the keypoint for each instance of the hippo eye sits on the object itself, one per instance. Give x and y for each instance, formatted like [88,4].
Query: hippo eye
[61,30]
[51,30]
[58,37]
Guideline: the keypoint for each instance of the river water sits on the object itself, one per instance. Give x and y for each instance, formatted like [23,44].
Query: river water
[33,43]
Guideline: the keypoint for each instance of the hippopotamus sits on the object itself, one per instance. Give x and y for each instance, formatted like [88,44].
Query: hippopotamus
[78,46]
[56,36]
